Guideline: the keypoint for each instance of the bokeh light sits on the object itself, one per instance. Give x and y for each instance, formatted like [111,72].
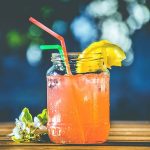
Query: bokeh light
[35,31]
[84,30]
[60,27]
[34,54]
[131,22]
[15,39]
[102,8]
[47,11]
[129,58]
[140,14]
[117,32]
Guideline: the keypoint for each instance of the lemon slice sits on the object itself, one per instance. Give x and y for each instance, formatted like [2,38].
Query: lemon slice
[99,56]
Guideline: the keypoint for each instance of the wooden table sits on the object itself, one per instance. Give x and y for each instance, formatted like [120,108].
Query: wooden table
[124,135]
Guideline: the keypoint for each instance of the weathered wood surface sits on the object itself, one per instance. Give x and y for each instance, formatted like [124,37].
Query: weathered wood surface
[124,135]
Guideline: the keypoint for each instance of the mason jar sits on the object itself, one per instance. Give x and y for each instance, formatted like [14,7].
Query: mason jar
[77,104]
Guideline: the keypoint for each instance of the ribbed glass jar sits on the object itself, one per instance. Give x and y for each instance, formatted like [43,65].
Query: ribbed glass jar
[78,104]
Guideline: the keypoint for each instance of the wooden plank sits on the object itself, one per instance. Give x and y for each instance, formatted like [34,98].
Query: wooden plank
[129,138]
[130,122]
[130,129]
[75,148]
[125,132]
[129,133]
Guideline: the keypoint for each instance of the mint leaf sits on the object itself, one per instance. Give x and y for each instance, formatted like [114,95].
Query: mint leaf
[43,116]
[25,116]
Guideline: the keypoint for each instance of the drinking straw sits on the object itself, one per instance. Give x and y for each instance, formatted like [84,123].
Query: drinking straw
[57,36]
[51,47]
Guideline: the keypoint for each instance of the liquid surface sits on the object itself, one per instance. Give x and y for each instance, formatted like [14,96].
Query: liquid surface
[78,108]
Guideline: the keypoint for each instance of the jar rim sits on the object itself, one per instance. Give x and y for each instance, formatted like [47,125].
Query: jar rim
[69,53]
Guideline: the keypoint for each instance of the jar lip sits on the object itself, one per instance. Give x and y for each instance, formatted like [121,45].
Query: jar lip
[71,56]
[74,56]
[69,53]
[74,53]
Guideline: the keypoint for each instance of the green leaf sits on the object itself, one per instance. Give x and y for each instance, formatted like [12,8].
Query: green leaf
[30,132]
[25,116]
[43,116]
[16,140]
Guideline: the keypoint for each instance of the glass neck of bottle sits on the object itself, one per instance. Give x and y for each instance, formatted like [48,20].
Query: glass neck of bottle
[57,61]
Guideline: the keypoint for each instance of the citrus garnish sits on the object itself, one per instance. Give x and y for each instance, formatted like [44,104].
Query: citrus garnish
[99,56]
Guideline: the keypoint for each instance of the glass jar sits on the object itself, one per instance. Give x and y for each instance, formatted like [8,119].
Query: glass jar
[78,104]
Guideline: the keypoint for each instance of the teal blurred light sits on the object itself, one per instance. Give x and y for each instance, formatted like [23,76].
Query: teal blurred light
[34,54]
[60,27]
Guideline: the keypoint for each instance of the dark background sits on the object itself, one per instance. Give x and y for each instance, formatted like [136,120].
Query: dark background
[22,80]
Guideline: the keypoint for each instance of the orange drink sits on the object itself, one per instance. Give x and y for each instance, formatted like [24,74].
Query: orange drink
[78,108]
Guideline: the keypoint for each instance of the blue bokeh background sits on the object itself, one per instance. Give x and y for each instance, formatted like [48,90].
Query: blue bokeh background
[23,83]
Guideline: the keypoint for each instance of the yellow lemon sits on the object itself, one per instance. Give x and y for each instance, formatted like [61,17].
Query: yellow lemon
[99,56]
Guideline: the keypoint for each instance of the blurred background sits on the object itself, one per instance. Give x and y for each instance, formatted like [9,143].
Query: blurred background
[23,66]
